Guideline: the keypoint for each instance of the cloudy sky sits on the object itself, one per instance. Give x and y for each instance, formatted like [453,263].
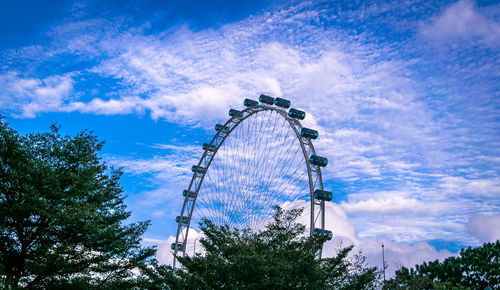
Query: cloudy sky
[405,94]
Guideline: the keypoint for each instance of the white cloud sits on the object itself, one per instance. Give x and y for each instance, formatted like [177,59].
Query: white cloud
[168,165]
[460,21]
[27,97]
[394,205]
[158,213]
[195,76]
[485,227]
[98,106]
[458,185]
[175,147]
[414,213]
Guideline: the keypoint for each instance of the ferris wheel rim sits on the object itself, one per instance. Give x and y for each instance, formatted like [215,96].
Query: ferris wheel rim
[235,121]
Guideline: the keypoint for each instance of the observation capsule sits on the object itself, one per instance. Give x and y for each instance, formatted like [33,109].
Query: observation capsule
[219,127]
[233,112]
[266,99]
[182,219]
[317,160]
[190,194]
[208,147]
[309,133]
[297,114]
[179,246]
[282,103]
[197,169]
[323,195]
[250,103]
[323,233]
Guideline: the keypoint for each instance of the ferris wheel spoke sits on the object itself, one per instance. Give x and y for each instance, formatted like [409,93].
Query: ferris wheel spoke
[250,176]
[278,174]
[252,201]
[267,166]
[213,194]
[261,167]
[288,164]
[287,173]
[229,183]
[235,171]
[214,191]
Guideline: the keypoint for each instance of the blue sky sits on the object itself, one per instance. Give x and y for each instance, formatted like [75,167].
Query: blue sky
[405,96]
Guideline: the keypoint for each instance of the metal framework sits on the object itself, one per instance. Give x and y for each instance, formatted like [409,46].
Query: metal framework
[317,207]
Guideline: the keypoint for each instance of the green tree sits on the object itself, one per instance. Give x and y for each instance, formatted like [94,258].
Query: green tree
[475,268]
[278,257]
[62,215]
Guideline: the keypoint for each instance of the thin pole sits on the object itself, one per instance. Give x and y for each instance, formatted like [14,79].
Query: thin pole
[383,261]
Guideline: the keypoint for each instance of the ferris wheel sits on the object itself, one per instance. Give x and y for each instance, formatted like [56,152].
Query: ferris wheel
[260,158]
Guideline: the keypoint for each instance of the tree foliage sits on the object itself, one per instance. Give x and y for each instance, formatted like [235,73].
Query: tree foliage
[278,257]
[475,268]
[62,214]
